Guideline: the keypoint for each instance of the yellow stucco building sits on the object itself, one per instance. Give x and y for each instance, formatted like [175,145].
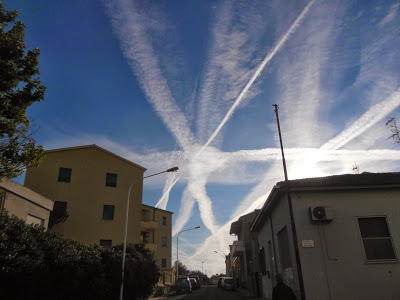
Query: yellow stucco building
[92,183]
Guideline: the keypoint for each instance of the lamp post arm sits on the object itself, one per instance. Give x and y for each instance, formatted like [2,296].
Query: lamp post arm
[174,169]
[177,258]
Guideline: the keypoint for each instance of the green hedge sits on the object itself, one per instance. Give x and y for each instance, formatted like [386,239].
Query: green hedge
[35,264]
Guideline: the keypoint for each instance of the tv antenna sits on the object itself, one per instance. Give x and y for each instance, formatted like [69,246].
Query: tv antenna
[356,168]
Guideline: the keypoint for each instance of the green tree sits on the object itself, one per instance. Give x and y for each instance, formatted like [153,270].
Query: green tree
[183,271]
[19,88]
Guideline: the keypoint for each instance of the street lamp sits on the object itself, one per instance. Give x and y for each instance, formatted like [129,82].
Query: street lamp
[174,169]
[177,239]
[220,254]
[202,267]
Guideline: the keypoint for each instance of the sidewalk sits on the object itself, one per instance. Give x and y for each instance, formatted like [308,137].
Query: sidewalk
[165,296]
[246,293]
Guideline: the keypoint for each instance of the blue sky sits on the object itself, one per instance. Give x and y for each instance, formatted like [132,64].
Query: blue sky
[192,83]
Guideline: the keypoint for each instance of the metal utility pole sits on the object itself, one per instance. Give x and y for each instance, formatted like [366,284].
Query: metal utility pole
[292,223]
[280,141]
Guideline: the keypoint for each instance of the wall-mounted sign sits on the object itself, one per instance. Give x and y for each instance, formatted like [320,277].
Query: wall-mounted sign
[307,243]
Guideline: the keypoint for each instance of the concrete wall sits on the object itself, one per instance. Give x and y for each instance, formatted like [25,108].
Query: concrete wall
[336,267]
[87,193]
[25,203]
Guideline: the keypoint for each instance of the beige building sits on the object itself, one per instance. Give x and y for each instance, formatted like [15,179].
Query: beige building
[156,234]
[24,203]
[335,237]
[93,184]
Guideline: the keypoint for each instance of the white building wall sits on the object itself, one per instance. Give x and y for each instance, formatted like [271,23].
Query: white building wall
[336,268]
[280,218]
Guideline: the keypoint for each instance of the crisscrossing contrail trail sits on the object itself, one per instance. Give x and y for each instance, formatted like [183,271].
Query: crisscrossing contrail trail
[260,68]
[258,71]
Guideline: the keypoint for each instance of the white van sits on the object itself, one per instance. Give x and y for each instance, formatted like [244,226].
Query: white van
[228,283]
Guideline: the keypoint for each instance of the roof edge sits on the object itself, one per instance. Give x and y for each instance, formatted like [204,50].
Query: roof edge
[26,193]
[97,147]
[158,208]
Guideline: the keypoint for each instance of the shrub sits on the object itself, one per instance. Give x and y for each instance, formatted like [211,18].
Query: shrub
[38,264]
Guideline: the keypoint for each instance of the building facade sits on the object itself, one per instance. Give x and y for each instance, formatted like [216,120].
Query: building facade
[335,237]
[93,184]
[24,203]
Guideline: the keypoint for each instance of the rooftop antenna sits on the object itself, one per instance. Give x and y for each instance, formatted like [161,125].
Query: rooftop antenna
[293,225]
[356,168]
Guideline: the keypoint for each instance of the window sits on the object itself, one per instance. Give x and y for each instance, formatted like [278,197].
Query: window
[261,255]
[59,213]
[111,179]
[271,260]
[284,249]
[164,220]
[64,175]
[164,241]
[376,239]
[164,263]
[106,243]
[145,237]
[108,212]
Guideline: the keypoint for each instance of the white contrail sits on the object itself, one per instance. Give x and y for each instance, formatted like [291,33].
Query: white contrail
[271,154]
[185,210]
[367,120]
[169,183]
[129,27]
[198,190]
[269,56]
[260,68]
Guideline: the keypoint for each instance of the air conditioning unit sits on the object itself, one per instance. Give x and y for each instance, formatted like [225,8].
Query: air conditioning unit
[321,214]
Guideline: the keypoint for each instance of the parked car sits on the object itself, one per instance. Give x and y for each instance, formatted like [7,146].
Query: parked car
[183,285]
[197,279]
[195,284]
[228,283]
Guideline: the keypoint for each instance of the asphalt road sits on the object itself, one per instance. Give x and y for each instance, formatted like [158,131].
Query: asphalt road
[210,292]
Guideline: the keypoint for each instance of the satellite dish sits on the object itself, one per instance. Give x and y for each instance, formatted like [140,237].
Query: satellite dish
[319,212]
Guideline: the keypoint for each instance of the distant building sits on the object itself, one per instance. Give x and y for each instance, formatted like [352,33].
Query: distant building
[92,184]
[24,203]
[156,234]
[241,250]
[337,237]
[230,263]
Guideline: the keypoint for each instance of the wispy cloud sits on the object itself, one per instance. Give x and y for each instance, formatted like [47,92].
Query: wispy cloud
[131,26]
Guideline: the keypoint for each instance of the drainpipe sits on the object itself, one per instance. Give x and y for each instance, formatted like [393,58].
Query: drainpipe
[273,247]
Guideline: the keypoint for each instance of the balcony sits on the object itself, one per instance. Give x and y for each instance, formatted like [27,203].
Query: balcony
[148,225]
[238,248]
[151,247]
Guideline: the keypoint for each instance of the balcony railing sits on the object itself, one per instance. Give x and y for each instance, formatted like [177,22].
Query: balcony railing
[148,225]
[238,248]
